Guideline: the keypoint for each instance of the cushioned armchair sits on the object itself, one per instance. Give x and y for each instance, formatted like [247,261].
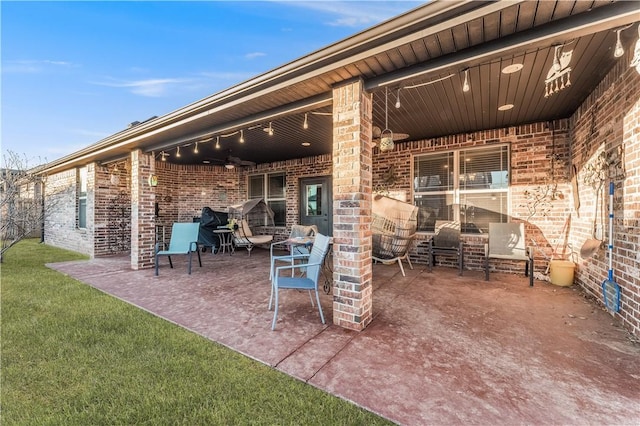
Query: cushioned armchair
[243,237]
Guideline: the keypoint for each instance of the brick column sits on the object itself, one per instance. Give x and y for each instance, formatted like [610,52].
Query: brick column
[352,180]
[143,197]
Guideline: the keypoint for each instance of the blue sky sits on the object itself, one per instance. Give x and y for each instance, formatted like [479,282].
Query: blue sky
[76,72]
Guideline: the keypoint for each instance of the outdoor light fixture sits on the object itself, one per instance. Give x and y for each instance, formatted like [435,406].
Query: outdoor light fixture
[229,166]
[305,125]
[241,136]
[619,50]
[398,99]
[115,177]
[178,152]
[163,155]
[195,150]
[269,129]
[465,85]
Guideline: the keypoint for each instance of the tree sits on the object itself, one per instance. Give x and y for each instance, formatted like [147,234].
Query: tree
[22,207]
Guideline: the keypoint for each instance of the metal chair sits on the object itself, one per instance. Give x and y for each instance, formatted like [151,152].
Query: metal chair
[309,279]
[507,242]
[184,240]
[446,242]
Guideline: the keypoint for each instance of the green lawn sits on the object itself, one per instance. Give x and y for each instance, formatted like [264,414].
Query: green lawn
[74,356]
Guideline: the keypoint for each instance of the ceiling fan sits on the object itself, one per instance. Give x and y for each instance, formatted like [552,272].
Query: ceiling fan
[232,162]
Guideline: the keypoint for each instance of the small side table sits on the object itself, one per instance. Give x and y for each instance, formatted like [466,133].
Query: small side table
[226,240]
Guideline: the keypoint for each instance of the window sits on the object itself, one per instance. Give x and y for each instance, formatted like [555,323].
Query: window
[82,197]
[469,186]
[272,188]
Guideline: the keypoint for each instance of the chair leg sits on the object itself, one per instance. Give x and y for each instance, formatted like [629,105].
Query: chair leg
[271,296]
[486,269]
[275,311]
[531,274]
[401,268]
[199,259]
[461,258]
[320,307]
[430,257]
[409,262]
[156,265]
[190,263]
[311,297]
[170,262]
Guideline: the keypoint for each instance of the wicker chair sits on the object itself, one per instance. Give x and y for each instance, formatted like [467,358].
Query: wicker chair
[393,231]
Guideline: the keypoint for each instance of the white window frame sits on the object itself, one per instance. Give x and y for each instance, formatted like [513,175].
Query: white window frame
[265,191]
[456,192]
[83,173]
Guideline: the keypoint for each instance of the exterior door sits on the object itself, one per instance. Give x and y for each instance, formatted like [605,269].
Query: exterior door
[316,203]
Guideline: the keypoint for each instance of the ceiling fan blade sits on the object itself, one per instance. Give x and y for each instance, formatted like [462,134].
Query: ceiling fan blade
[247,163]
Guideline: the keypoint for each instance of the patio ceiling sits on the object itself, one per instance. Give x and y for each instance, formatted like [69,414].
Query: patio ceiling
[435,43]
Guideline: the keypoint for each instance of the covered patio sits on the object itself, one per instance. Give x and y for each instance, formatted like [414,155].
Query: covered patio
[440,349]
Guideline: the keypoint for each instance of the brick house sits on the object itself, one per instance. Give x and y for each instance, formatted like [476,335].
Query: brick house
[528,95]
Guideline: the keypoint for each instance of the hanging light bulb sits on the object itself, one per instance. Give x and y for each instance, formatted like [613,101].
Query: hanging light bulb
[398,105]
[195,150]
[270,129]
[465,85]
[619,50]
[178,152]
[217,142]
[164,158]
[305,125]
[386,136]
[241,136]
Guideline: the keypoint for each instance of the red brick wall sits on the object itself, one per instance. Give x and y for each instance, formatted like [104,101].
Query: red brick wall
[539,158]
[352,183]
[609,122]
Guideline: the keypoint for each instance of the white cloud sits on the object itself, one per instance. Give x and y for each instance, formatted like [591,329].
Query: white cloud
[357,13]
[254,55]
[34,66]
[155,87]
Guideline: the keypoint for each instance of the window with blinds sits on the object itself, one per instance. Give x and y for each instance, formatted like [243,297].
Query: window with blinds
[272,188]
[82,197]
[469,186]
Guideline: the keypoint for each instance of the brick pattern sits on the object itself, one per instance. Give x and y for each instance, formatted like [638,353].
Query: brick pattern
[143,196]
[352,180]
[609,122]
[61,224]
[539,159]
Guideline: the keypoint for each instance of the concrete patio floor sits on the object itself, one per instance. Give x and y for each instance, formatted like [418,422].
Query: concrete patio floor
[441,349]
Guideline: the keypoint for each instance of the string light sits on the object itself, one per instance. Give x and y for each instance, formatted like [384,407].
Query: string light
[195,150]
[305,125]
[619,50]
[398,99]
[465,86]
[164,158]
[178,152]
[241,136]
[217,142]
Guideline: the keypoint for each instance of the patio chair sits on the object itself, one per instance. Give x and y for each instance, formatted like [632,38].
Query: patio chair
[184,240]
[393,229]
[309,279]
[243,237]
[446,242]
[507,242]
[299,242]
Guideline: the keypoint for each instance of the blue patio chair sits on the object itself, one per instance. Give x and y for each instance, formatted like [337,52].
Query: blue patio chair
[184,240]
[310,276]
